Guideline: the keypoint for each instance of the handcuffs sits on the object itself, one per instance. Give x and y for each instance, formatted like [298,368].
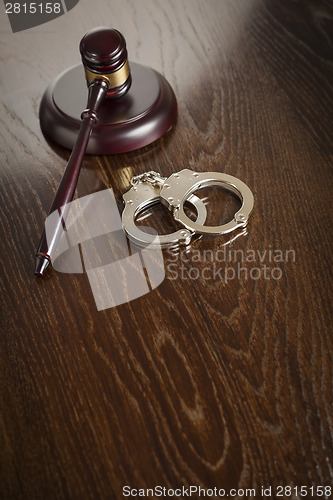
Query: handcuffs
[150,188]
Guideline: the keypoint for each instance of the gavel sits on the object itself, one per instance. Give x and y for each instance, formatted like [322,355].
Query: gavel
[107,71]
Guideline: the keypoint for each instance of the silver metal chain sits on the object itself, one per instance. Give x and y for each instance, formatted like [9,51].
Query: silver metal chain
[152,177]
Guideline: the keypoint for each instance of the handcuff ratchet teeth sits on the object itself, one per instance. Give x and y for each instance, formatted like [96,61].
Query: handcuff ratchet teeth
[150,188]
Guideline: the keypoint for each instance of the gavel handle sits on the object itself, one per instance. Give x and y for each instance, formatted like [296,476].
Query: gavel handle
[97,92]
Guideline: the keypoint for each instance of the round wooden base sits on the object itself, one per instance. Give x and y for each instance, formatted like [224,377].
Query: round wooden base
[142,116]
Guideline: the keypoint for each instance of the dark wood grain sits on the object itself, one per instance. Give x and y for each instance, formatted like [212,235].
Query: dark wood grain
[199,382]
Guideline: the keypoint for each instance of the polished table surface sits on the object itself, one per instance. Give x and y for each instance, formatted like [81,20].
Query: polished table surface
[211,381]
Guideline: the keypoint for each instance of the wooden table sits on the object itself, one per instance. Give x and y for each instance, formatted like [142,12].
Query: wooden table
[212,381]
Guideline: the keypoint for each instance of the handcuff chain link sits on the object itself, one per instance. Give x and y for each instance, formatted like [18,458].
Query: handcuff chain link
[152,177]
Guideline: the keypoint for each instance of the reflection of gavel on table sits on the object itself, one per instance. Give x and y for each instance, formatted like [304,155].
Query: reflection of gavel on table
[126,120]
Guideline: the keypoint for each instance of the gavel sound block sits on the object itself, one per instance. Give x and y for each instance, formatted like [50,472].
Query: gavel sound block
[140,106]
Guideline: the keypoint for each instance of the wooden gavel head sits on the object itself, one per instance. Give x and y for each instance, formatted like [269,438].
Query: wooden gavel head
[104,55]
[139,106]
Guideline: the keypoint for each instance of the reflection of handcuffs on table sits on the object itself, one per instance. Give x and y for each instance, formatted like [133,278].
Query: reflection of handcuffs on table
[150,188]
